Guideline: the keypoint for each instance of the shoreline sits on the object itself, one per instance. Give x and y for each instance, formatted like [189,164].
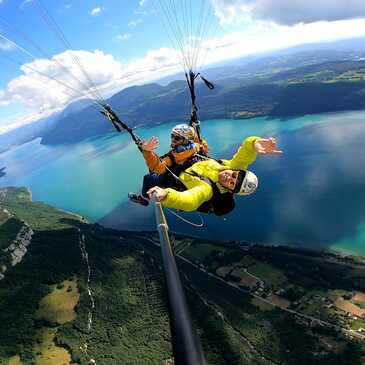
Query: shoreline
[148,126]
[357,259]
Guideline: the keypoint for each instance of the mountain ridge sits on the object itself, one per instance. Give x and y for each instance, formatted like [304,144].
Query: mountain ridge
[251,87]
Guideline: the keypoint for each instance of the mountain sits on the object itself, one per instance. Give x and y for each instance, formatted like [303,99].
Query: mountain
[250,304]
[297,56]
[26,133]
[37,129]
[306,79]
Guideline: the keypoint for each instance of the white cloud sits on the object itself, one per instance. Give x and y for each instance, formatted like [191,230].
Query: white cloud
[154,65]
[2,96]
[35,91]
[260,36]
[17,121]
[288,12]
[123,37]
[6,46]
[96,11]
[155,61]
[25,2]
[134,23]
[142,2]
[140,12]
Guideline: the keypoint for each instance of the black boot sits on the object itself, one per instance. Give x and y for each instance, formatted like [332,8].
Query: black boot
[137,198]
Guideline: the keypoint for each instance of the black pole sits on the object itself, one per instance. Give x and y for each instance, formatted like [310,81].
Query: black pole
[185,342]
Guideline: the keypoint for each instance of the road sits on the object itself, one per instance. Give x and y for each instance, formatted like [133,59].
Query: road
[291,311]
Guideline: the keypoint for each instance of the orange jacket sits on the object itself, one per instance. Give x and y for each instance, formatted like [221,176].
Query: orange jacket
[158,164]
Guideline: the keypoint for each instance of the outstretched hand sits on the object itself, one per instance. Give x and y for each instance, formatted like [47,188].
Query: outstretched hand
[150,145]
[158,192]
[267,146]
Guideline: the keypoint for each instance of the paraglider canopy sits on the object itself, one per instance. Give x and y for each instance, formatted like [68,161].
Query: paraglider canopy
[189,24]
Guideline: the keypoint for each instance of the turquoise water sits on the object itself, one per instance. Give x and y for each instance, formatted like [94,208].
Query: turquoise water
[311,196]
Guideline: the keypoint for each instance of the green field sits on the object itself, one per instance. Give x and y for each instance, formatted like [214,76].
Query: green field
[58,306]
[358,324]
[209,255]
[269,274]
[273,333]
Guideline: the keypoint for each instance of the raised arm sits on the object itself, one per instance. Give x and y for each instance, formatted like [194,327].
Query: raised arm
[158,164]
[248,151]
[245,155]
[153,161]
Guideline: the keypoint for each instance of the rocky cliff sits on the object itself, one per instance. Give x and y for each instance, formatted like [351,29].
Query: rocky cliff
[14,253]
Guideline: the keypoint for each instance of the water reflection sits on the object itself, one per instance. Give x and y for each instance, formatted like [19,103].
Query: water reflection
[312,195]
[104,150]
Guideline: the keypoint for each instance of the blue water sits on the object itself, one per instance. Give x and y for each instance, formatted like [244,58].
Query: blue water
[311,196]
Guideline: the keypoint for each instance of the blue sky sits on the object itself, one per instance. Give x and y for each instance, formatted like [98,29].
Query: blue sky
[126,30]
[83,30]
[124,42]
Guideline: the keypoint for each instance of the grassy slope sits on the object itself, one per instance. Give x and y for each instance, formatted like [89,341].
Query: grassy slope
[58,306]
[54,256]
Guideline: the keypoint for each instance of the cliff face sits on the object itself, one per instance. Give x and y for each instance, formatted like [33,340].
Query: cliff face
[15,233]
[14,253]
[18,247]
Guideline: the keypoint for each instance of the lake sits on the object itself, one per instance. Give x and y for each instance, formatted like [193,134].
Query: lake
[313,195]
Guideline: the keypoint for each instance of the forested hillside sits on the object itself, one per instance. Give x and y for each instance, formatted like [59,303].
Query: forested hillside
[46,312]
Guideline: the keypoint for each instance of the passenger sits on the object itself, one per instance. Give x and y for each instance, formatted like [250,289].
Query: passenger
[185,151]
[210,185]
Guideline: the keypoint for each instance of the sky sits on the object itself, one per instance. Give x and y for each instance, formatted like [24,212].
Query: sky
[122,43]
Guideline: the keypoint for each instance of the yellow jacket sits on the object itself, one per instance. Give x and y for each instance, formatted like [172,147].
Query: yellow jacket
[199,191]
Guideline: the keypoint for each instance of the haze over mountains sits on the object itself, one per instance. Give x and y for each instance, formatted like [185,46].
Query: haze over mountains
[301,80]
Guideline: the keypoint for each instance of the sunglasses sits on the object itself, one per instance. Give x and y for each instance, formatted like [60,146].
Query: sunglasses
[177,138]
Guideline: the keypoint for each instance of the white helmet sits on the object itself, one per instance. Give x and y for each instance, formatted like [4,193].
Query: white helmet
[185,131]
[246,184]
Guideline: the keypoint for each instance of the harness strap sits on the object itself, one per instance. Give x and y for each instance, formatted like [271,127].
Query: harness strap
[203,178]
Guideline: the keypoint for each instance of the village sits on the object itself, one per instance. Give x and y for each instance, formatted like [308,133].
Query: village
[270,286]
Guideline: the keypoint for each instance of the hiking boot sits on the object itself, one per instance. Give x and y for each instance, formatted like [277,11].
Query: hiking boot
[137,198]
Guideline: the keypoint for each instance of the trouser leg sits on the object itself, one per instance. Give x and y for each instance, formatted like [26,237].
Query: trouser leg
[151,180]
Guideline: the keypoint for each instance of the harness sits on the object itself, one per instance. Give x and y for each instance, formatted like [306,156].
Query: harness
[172,178]
[220,203]
[178,168]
